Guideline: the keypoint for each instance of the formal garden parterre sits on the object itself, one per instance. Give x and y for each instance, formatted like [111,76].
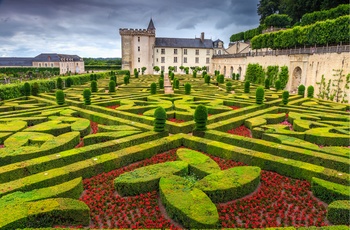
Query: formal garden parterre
[112,158]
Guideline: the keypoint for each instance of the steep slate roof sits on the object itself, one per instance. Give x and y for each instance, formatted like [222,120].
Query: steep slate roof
[15,61]
[151,25]
[184,43]
[54,57]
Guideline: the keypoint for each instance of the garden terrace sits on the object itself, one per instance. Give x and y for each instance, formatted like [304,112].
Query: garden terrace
[103,166]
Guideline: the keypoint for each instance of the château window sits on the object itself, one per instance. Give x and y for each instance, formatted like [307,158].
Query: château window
[138,48]
[138,59]
[138,39]
[208,52]
[175,51]
[207,60]
[197,52]
[175,59]
[162,59]
[162,68]
[52,64]
[197,60]
[185,51]
[185,59]
[45,64]
[162,51]
[219,52]
[39,64]
[157,59]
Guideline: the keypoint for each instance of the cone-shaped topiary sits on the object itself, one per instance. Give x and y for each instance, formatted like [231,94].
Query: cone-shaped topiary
[114,78]
[153,88]
[172,76]
[301,90]
[35,89]
[260,95]
[237,76]
[247,87]
[221,79]
[69,82]
[160,119]
[126,79]
[201,117]
[59,83]
[93,86]
[310,91]
[161,83]
[111,87]
[26,88]
[162,74]
[207,79]
[267,83]
[187,88]
[60,97]
[228,87]
[87,96]
[285,96]
[278,85]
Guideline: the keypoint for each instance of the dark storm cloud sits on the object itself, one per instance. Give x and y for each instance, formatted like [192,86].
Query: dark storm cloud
[90,27]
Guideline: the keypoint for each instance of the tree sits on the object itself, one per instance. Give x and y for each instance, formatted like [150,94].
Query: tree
[278,85]
[278,20]
[246,86]
[143,69]
[35,89]
[156,68]
[267,7]
[111,86]
[59,83]
[283,76]
[60,97]
[27,89]
[228,87]
[301,90]
[160,119]
[201,117]
[310,91]
[187,88]
[153,88]
[87,96]
[259,95]
[161,83]
[93,86]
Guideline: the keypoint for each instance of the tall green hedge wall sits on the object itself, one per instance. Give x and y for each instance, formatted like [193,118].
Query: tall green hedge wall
[333,13]
[321,33]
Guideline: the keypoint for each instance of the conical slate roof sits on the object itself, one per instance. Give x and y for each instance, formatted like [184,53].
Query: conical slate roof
[151,25]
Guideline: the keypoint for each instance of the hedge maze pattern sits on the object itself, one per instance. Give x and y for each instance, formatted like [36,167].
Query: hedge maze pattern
[48,153]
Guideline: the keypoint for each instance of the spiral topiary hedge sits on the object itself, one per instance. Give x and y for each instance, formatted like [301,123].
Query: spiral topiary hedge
[160,119]
[60,97]
[259,95]
[201,117]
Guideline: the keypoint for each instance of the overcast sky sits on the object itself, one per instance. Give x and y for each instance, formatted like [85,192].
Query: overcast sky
[90,28]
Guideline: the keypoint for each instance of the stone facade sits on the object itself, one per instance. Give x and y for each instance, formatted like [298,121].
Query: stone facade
[141,48]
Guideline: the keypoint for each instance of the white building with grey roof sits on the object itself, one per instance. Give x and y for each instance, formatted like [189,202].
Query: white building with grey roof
[141,48]
[66,63]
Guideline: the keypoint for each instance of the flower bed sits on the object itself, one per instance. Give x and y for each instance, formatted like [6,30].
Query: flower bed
[234,107]
[241,131]
[112,106]
[175,120]
[278,201]
[94,130]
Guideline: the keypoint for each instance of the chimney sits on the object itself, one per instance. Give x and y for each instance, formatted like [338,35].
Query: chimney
[202,36]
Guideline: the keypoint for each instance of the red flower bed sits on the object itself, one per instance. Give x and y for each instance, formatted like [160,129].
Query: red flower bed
[234,107]
[94,129]
[241,130]
[175,120]
[286,122]
[2,146]
[278,201]
[112,106]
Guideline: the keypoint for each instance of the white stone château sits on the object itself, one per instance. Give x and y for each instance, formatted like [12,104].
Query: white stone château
[141,48]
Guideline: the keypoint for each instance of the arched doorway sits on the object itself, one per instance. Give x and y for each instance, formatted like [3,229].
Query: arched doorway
[231,71]
[296,79]
[224,71]
[240,73]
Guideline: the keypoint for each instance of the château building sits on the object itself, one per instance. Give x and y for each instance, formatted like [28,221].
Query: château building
[141,48]
[66,63]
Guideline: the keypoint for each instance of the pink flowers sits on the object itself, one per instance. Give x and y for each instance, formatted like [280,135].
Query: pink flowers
[175,120]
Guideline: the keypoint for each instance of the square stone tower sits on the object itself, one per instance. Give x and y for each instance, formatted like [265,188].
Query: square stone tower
[137,48]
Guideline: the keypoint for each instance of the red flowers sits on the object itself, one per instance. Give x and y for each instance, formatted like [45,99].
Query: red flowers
[112,106]
[94,129]
[241,130]
[175,120]
[234,107]
[278,201]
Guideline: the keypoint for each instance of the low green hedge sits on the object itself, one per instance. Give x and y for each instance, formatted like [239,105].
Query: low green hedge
[88,166]
[111,128]
[146,179]
[186,204]
[328,191]
[198,164]
[16,171]
[264,119]
[107,136]
[45,213]
[338,212]
[230,184]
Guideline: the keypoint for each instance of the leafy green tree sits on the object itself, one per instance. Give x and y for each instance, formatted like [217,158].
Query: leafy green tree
[255,73]
[156,68]
[278,85]
[283,76]
[143,69]
[278,20]
[35,89]
[194,74]
[200,118]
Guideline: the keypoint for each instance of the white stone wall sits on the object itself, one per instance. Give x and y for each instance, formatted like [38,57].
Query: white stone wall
[142,53]
[312,66]
[191,57]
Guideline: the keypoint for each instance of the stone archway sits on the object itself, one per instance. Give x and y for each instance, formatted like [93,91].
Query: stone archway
[224,71]
[240,72]
[296,79]
[231,71]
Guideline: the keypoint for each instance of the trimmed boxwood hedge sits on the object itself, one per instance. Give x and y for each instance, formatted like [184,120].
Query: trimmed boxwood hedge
[146,179]
[328,191]
[338,212]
